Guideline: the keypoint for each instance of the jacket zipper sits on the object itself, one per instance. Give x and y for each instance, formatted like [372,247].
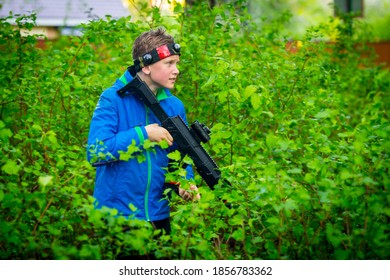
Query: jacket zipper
[146,201]
[148,160]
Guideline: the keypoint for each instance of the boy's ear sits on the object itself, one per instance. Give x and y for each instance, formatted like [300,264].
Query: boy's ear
[146,70]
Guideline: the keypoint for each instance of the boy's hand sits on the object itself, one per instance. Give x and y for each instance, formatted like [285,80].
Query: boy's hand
[157,133]
[193,195]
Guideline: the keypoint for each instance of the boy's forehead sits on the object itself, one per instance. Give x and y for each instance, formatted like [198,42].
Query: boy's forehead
[172,57]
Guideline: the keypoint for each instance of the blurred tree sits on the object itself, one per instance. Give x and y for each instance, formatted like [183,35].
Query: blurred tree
[350,6]
[212,3]
[377,14]
[303,13]
[137,7]
[306,13]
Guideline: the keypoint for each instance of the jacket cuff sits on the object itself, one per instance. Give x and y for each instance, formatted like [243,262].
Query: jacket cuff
[142,134]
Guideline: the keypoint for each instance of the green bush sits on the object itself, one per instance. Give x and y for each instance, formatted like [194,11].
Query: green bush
[301,137]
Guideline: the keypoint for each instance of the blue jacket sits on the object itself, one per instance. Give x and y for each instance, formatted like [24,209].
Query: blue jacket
[117,122]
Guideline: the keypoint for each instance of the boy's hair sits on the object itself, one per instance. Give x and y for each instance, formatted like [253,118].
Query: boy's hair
[150,40]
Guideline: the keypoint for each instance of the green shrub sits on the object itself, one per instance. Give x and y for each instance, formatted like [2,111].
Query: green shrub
[301,137]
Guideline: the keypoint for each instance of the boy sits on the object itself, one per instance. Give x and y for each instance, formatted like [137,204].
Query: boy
[118,121]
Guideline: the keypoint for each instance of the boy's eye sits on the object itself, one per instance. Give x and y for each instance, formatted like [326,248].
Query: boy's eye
[171,62]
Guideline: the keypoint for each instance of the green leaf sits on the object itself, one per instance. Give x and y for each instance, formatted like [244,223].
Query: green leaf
[132,207]
[249,91]
[45,180]
[323,114]
[60,164]
[255,101]
[273,220]
[131,150]
[294,170]
[175,155]
[236,94]
[238,234]
[225,134]
[5,133]
[271,140]
[82,237]
[52,136]
[236,220]
[315,164]
[209,82]
[268,113]
[11,167]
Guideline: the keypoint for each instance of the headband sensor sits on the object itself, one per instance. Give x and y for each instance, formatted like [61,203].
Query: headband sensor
[153,56]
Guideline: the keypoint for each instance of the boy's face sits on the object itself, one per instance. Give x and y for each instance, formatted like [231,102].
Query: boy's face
[163,73]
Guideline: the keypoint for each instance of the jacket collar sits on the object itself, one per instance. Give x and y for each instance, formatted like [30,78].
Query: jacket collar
[162,93]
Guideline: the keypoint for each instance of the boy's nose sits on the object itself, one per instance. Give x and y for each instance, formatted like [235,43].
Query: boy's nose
[176,70]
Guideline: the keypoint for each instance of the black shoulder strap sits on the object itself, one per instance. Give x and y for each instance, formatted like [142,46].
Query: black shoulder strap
[137,87]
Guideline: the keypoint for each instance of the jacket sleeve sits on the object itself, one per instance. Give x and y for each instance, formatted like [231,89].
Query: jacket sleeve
[105,140]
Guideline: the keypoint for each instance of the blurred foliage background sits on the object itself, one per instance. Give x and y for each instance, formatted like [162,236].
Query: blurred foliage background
[305,13]
[302,13]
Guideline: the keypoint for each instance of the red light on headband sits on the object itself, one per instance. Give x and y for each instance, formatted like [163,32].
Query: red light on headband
[163,52]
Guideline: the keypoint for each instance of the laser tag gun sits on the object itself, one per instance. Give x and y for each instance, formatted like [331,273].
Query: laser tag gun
[188,139]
